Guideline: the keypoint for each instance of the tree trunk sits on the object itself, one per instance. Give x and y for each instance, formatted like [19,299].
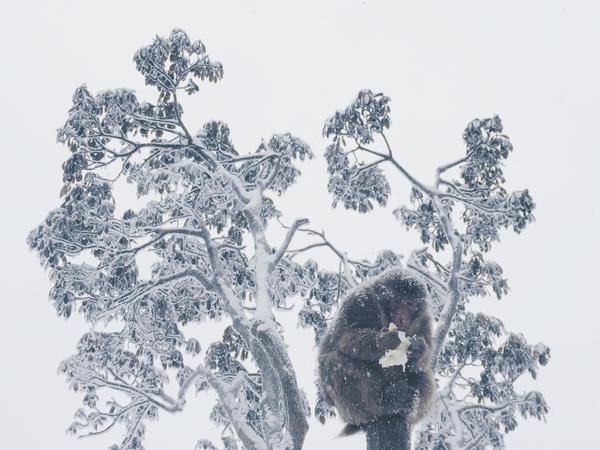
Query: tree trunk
[294,407]
[388,433]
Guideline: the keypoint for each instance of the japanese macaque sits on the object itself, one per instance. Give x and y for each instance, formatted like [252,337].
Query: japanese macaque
[351,375]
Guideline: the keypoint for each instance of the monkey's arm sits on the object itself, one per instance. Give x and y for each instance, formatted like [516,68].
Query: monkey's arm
[367,344]
[418,354]
[421,346]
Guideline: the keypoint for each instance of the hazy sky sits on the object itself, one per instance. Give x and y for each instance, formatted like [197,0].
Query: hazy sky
[288,66]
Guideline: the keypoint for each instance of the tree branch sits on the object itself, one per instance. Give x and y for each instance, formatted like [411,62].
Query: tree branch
[343,257]
[145,288]
[250,439]
[449,310]
[288,239]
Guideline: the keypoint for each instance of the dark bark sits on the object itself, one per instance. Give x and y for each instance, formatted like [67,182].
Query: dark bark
[388,433]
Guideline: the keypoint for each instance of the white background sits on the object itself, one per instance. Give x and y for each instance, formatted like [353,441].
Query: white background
[288,66]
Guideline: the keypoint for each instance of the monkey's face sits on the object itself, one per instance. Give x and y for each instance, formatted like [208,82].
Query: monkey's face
[404,311]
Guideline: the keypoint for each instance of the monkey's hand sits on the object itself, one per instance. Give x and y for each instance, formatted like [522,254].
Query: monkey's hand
[387,340]
[418,347]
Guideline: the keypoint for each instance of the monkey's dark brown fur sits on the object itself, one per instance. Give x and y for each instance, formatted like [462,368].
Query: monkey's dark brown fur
[349,369]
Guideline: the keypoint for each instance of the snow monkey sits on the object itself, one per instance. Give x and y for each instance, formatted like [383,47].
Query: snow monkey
[373,319]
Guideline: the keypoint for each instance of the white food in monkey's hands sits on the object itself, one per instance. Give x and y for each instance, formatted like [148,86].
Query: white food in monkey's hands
[399,355]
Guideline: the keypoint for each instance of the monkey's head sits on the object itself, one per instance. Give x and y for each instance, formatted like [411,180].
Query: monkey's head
[405,299]
[404,311]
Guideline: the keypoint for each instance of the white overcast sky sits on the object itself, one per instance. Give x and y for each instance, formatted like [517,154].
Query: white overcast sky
[288,66]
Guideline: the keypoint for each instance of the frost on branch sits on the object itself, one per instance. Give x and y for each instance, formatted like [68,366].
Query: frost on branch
[354,183]
[483,371]
[202,226]
[366,117]
[168,62]
[226,359]
[458,220]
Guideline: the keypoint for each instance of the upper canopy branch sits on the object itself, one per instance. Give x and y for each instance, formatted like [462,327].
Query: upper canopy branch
[149,286]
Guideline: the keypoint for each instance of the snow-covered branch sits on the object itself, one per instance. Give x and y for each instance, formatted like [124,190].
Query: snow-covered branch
[462,340]
[202,198]
[288,239]
[225,391]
